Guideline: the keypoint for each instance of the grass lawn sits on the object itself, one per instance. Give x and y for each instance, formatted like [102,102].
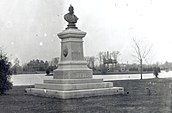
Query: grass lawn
[145,96]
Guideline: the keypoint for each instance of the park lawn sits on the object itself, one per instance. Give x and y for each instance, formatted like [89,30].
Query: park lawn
[141,96]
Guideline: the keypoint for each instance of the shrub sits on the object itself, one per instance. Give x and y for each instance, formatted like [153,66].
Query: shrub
[5,84]
[48,71]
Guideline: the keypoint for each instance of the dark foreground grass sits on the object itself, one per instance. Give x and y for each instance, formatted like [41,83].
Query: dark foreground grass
[145,96]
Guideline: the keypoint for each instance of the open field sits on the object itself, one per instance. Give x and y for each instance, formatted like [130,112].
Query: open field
[145,96]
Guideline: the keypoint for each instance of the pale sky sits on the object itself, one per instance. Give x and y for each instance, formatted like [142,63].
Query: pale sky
[28,28]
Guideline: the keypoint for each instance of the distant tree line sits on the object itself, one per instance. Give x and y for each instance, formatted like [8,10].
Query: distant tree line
[145,69]
[35,66]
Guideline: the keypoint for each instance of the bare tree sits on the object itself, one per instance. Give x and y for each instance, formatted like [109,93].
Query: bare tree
[141,51]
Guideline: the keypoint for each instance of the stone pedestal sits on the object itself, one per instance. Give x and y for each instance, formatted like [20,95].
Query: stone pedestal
[73,79]
[72,64]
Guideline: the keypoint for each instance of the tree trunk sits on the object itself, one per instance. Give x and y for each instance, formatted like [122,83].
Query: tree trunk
[141,68]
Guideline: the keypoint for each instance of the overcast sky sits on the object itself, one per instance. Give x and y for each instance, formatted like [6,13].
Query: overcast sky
[28,28]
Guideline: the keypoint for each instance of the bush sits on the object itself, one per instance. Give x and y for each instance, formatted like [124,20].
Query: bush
[5,84]
[103,69]
[48,71]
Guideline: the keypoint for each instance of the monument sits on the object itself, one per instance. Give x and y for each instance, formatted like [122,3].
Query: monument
[73,79]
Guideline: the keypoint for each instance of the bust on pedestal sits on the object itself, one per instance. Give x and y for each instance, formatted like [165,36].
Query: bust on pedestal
[72,64]
[73,79]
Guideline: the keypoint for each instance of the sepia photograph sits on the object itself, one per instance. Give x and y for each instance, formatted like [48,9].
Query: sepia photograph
[85,56]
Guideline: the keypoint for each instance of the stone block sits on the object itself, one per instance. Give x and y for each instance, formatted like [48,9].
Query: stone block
[75,93]
[69,87]
[72,81]
[72,74]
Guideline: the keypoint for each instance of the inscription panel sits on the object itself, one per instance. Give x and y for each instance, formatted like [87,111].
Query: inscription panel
[76,55]
[72,74]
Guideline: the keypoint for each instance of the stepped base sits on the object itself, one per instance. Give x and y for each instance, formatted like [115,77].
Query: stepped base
[74,88]
[75,93]
[73,81]
[69,87]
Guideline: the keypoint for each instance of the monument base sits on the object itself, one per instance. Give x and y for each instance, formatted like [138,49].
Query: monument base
[74,88]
